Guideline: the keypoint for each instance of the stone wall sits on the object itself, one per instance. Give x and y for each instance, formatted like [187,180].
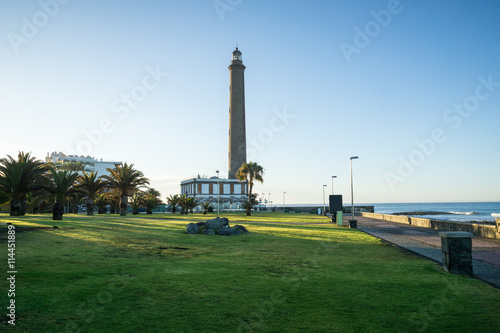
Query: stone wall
[478,229]
[420,222]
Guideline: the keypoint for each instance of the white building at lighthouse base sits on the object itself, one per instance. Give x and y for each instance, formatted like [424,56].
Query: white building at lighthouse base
[231,192]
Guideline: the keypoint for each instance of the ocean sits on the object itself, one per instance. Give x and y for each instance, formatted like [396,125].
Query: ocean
[449,211]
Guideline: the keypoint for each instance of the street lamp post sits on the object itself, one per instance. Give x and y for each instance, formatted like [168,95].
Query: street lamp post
[264,200]
[284,202]
[332,182]
[218,191]
[324,204]
[352,192]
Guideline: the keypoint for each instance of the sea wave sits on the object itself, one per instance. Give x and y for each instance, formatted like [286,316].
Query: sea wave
[463,213]
[495,214]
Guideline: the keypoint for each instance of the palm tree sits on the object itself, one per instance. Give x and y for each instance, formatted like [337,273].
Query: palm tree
[250,172]
[113,197]
[152,199]
[173,200]
[154,192]
[90,186]
[127,181]
[250,205]
[61,187]
[206,206]
[3,197]
[101,202]
[34,200]
[183,203]
[137,202]
[191,203]
[188,204]
[18,178]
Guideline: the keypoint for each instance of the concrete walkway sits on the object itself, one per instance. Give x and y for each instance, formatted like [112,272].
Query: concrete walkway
[426,242]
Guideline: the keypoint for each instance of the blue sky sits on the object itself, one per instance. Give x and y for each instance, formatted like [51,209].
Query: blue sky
[411,87]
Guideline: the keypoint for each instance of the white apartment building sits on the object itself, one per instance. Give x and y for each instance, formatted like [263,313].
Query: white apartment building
[90,163]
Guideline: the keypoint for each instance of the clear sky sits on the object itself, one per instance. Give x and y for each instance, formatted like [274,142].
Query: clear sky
[411,87]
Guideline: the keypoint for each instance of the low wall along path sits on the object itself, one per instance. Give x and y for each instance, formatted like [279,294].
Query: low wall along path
[478,229]
[421,236]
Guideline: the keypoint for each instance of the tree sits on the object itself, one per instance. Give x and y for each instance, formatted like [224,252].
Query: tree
[18,178]
[250,172]
[192,203]
[61,187]
[90,186]
[188,204]
[101,202]
[3,197]
[34,200]
[206,206]
[153,192]
[173,200]
[152,199]
[250,205]
[126,181]
[113,197]
[137,202]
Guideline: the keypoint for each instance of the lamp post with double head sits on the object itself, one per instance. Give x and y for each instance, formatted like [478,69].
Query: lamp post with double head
[332,182]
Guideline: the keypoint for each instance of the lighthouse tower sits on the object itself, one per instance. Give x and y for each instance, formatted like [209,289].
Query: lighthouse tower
[237,134]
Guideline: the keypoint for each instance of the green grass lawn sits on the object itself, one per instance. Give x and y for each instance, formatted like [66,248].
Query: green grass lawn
[144,274]
[241,217]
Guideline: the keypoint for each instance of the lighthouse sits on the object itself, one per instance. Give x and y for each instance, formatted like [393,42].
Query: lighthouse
[228,193]
[237,133]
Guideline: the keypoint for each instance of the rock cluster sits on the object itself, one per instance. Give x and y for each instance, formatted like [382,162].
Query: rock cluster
[217,226]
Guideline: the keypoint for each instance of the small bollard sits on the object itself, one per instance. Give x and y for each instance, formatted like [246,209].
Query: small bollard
[353,224]
[339,217]
[457,251]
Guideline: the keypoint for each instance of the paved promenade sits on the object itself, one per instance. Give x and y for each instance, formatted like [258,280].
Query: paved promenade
[427,242]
